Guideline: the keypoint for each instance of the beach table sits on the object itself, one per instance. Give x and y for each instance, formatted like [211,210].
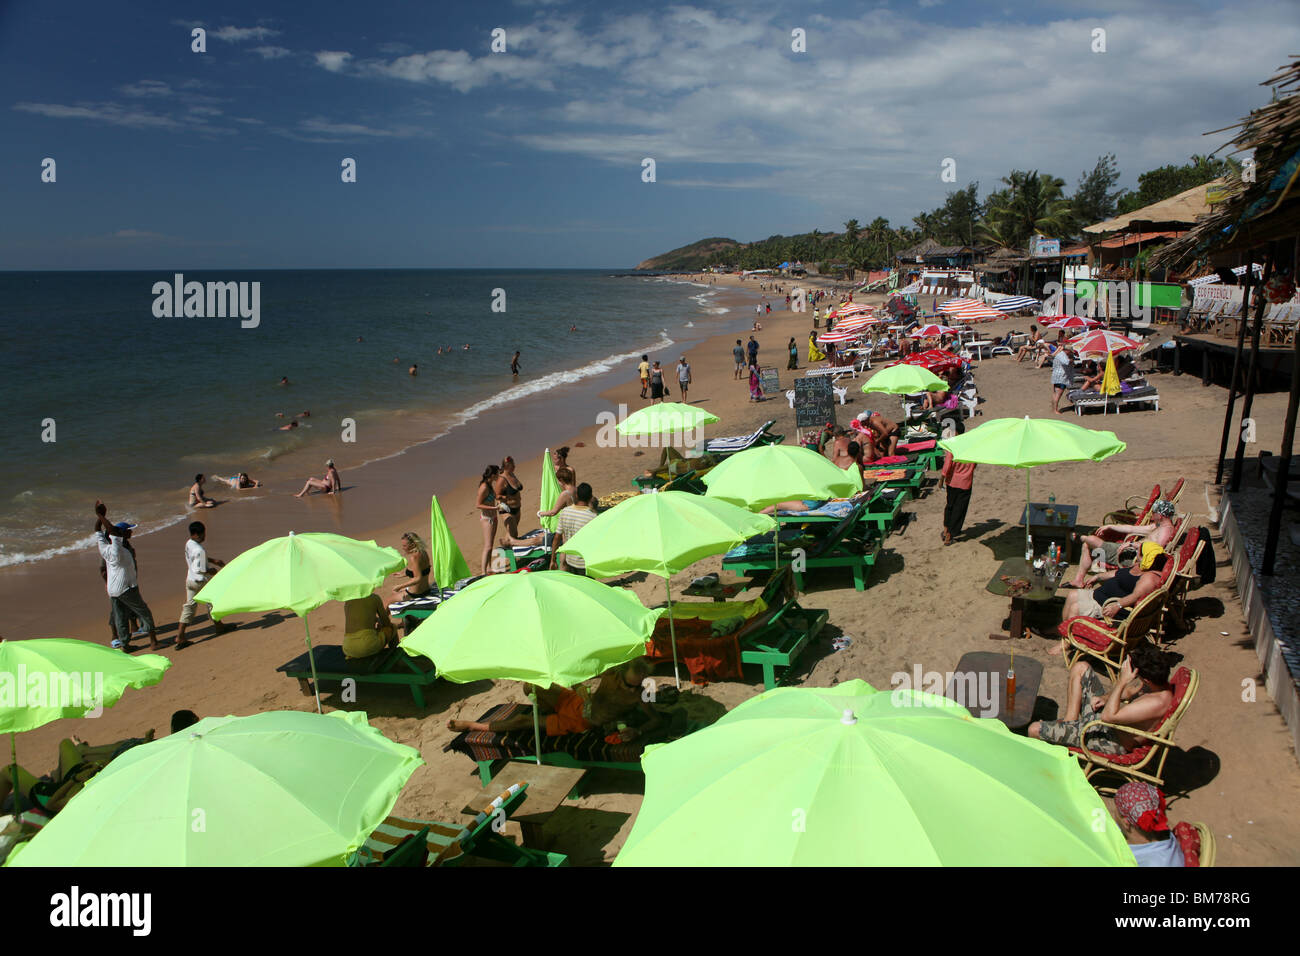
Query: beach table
[548,787]
[979,347]
[1051,523]
[983,674]
[1041,589]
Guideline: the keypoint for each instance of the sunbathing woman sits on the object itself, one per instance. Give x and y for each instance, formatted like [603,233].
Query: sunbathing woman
[417,567]
[838,453]
[331,484]
[197,498]
[241,481]
[1029,349]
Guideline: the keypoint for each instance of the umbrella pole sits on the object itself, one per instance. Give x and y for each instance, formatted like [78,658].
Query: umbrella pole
[311,656]
[672,633]
[1027,506]
[13,777]
[537,731]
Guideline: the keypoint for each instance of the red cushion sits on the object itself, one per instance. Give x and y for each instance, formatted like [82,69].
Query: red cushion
[890,460]
[917,445]
[1084,635]
[1189,839]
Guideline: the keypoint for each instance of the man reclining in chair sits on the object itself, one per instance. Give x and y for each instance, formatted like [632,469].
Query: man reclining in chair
[1123,554]
[617,699]
[1140,699]
[1119,589]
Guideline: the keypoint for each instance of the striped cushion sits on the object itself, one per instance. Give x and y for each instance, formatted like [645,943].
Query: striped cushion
[444,839]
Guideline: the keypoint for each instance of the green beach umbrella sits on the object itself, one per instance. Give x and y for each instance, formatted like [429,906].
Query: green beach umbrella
[550,493]
[446,562]
[49,679]
[849,776]
[667,418]
[771,474]
[299,572]
[544,628]
[282,788]
[661,534]
[905,380]
[1026,442]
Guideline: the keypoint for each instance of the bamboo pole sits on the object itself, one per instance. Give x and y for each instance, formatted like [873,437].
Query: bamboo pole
[1260,301]
[1236,368]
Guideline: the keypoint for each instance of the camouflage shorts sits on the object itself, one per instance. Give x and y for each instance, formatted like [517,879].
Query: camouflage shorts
[1102,740]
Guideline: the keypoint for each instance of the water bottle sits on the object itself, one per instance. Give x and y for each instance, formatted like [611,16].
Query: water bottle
[1029,549]
[1051,499]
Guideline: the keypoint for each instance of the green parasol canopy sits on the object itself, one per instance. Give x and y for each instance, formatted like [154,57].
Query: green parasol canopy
[299,572]
[764,476]
[550,493]
[848,776]
[282,788]
[661,534]
[664,418]
[1026,442]
[446,562]
[905,380]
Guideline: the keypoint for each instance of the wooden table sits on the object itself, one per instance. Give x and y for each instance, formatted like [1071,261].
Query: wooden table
[1047,528]
[979,346]
[981,676]
[1043,589]
[548,786]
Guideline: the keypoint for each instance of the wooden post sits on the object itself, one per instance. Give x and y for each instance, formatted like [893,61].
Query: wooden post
[1284,464]
[1252,373]
[1236,368]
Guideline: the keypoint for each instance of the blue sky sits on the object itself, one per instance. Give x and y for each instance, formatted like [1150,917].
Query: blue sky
[230,158]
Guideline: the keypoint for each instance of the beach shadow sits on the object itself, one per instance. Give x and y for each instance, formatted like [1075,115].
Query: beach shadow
[1007,543]
[1188,770]
[636,577]
[600,780]
[395,700]
[582,833]
[974,531]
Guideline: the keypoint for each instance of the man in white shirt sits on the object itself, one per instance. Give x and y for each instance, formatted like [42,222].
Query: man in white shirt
[120,579]
[571,520]
[198,572]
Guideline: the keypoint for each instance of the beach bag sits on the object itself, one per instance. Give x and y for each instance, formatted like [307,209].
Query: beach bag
[1207,567]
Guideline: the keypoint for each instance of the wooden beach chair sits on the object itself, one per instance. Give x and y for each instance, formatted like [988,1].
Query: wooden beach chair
[399,841]
[1146,762]
[844,545]
[390,666]
[720,448]
[1183,579]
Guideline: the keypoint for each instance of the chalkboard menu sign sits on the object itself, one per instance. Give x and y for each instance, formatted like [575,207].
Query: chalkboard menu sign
[770,378]
[814,402]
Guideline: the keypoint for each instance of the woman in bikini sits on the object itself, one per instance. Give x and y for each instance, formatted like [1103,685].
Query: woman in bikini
[568,486]
[197,498]
[486,502]
[508,488]
[417,567]
[560,459]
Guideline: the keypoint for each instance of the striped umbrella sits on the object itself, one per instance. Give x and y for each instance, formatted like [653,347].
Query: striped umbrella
[930,331]
[836,336]
[956,305]
[1014,303]
[1103,342]
[936,360]
[856,325]
[1070,322]
[852,308]
[976,312]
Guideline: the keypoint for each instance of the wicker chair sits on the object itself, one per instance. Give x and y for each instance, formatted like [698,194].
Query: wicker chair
[1183,579]
[1108,642]
[1197,843]
[1146,762]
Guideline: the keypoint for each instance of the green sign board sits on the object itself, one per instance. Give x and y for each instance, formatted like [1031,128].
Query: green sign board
[1154,295]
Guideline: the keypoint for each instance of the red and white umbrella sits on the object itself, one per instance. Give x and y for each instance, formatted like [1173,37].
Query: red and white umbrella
[851,308]
[1070,322]
[856,325]
[930,331]
[956,305]
[969,310]
[837,336]
[1102,342]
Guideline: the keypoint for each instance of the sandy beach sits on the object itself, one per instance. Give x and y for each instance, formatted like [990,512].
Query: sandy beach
[925,605]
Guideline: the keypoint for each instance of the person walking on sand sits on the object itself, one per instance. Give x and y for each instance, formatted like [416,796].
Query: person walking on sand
[752,349]
[755,388]
[121,580]
[331,484]
[683,376]
[958,477]
[644,371]
[794,353]
[514,366]
[656,383]
[738,353]
[199,568]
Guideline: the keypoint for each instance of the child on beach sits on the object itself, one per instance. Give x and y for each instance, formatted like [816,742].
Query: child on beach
[755,388]
[199,570]
[644,371]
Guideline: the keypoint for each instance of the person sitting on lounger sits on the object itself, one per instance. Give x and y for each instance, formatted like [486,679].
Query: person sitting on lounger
[1092,376]
[417,568]
[78,762]
[1030,348]
[618,698]
[1139,699]
[1159,529]
[838,452]
[1140,813]
[367,628]
[1122,588]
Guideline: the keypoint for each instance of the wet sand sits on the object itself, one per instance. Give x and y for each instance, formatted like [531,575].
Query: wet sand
[925,605]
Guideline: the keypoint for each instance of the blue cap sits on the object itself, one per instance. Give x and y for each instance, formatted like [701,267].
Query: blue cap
[123,526]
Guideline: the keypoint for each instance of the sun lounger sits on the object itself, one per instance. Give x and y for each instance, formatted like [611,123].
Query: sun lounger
[390,666]
[721,447]
[1146,395]
[399,841]
[588,749]
[844,545]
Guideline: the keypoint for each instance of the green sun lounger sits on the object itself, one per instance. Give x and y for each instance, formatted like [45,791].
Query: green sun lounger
[845,545]
[391,666]
[782,638]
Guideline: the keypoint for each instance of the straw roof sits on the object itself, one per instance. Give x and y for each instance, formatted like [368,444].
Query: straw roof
[924,247]
[1180,210]
[1268,208]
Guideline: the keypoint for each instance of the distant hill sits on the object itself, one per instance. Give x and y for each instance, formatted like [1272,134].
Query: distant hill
[690,258]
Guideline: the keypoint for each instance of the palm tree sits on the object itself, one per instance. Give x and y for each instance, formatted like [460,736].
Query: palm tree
[1032,203]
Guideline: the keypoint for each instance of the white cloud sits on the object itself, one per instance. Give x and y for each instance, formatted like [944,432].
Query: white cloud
[240,34]
[332,60]
[109,113]
[146,88]
[271,52]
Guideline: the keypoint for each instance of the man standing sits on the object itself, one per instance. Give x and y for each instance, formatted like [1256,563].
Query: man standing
[753,350]
[121,581]
[1061,374]
[198,572]
[957,477]
[683,376]
[571,520]
[514,366]
[738,353]
[644,371]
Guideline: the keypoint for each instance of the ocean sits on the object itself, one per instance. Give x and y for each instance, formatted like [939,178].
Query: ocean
[104,399]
